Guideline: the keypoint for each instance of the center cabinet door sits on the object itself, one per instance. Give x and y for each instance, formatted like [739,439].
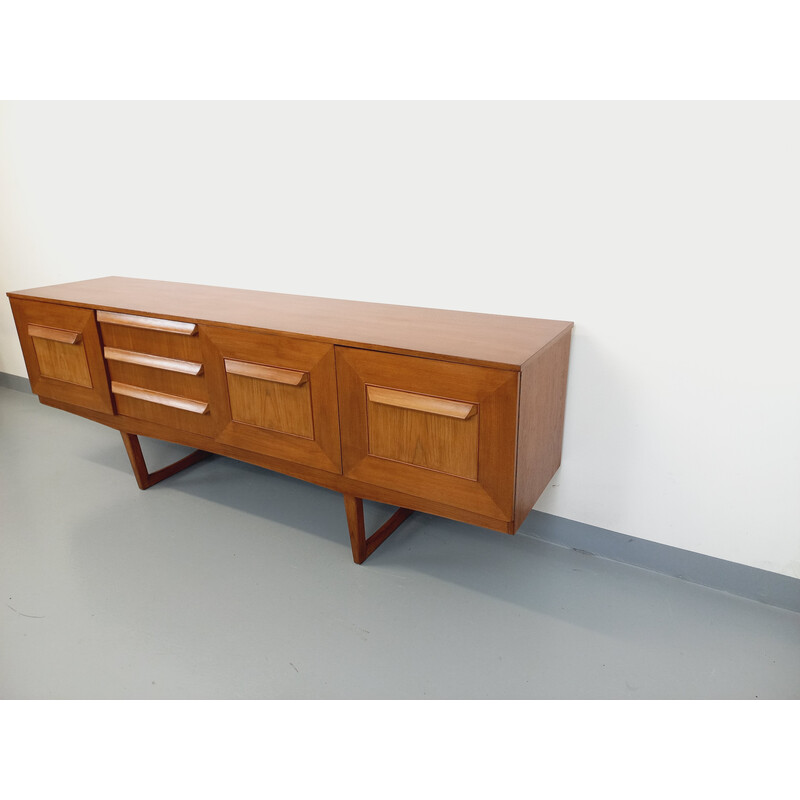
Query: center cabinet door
[433,429]
[276,395]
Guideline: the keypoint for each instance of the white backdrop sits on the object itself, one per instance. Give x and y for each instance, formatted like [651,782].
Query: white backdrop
[667,231]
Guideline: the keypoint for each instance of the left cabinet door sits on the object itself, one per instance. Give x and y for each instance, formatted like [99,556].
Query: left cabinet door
[62,353]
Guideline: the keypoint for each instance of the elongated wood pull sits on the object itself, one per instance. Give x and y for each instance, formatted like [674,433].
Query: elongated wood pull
[150,323]
[54,334]
[421,402]
[291,377]
[150,396]
[157,362]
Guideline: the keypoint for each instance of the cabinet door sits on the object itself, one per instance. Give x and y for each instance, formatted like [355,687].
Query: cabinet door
[433,429]
[62,353]
[276,395]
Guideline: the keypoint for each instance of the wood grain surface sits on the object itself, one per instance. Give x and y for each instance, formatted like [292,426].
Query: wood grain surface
[156,362]
[54,334]
[482,339]
[148,323]
[159,398]
[543,392]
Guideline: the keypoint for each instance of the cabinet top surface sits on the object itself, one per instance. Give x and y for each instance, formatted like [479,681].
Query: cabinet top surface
[484,339]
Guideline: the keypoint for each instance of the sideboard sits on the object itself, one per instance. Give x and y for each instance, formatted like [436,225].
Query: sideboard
[450,413]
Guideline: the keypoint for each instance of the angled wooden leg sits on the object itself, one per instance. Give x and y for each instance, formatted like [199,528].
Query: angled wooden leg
[363,546]
[146,479]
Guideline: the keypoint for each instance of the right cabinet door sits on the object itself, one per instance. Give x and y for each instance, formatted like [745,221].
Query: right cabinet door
[432,429]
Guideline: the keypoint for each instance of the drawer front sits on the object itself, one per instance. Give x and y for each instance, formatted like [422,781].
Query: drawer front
[157,343]
[62,353]
[433,429]
[157,372]
[276,395]
[193,387]
[140,322]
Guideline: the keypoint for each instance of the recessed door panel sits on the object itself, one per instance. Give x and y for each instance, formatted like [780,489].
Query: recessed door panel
[265,403]
[58,359]
[433,429]
[423,430]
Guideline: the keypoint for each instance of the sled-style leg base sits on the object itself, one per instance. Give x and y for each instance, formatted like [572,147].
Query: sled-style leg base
[363,546]
[146,479]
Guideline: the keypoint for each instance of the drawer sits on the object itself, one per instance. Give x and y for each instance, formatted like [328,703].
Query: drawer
[433,429]
[180,411]
[276,395]
[156,371]
[161,379]
[62,353]
[118,334]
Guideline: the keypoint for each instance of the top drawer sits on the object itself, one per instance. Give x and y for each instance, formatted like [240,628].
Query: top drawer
[148,323]
[158,337]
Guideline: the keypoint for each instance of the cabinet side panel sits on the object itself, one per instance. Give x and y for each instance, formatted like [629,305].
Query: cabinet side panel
[543,393]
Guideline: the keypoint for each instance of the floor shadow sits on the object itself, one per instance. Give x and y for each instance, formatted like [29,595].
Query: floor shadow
[582,590]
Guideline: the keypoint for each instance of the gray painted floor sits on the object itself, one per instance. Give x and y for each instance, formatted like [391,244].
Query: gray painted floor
[228,581]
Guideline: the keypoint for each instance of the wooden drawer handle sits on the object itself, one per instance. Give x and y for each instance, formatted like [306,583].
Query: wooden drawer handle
[150,323]
[148,360]
[291,377]
[421,402]
[54,334]
[149,396]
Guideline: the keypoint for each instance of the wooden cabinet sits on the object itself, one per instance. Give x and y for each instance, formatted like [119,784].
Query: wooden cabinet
[446,412]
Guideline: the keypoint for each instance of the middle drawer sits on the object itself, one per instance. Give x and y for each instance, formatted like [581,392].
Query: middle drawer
[156,375]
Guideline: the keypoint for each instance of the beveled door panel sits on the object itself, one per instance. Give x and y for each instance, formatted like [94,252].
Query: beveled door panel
[62,353]
[425,431]
[270,398]
[430,428]
[276,394]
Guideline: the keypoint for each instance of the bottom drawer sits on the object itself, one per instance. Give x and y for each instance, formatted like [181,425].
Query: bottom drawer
[171,410]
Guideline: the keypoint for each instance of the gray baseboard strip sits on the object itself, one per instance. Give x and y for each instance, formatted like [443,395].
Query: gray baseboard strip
[739,579]
[767,587]
[15,382]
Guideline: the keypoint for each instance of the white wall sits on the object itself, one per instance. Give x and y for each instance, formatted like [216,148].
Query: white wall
[668,232]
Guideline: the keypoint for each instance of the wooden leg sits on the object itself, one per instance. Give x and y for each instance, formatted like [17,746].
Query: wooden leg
[362,546]
[146,479]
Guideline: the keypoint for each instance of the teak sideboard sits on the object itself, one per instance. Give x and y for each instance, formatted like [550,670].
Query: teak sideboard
[451,413]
